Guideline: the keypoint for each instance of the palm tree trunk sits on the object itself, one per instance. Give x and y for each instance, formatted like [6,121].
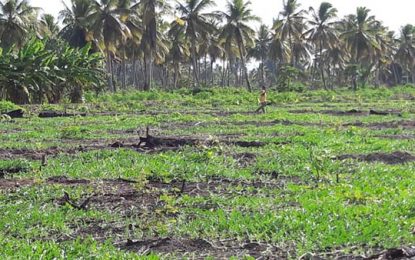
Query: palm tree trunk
[291,48]
[110,74]
[145,71]
[206,72]
[245,69]
[395,73]
[229,72]
[263,71]
[323,78]
[175,65]
[235,71]
[113,75]
[134,74]
[195,70]
[222,82]
[148,70]
[124,70]
[212,77]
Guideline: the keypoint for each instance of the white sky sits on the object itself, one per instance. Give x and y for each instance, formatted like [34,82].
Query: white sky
[394,13]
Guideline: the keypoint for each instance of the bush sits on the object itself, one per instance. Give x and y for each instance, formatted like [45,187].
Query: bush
[41,71]
[7,106]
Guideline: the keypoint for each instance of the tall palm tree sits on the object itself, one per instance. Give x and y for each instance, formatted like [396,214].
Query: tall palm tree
[151,18]
[262,49]
[108,28]
[195,22]
[179,52]
[383,53]
[359,34]
[290,26]
[323,33]
[215,52]
[236,29]
[48,26]
[76,25]
[132,46]
[17,17]
[406,49]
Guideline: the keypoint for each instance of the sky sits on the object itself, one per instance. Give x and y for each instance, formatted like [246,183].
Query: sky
[394,13]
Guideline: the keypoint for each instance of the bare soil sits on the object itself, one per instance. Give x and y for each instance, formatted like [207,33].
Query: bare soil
[352,112]
[11,171]
[397,137]
[403,124]
[200,248]
[398,157]
[52,114]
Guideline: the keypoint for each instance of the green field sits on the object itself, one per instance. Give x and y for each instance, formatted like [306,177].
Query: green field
[328,174]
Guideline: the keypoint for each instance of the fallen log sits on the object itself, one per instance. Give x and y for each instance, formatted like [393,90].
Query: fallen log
[18,113]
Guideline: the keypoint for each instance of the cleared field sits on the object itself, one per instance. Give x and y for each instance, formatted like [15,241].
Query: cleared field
[320,174]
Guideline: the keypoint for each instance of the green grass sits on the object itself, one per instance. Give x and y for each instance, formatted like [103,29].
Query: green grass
[317,204]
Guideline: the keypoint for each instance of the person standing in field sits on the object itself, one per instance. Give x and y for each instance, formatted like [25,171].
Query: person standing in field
[263,102]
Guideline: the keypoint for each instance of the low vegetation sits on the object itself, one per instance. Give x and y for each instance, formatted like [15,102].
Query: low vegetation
[320,174]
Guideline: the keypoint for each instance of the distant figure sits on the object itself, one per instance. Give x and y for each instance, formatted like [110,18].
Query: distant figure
[262,100]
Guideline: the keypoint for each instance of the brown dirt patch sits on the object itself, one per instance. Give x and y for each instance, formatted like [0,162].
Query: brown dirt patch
[200,248]
[155,145]
[52,114]
[396,253]
[404,124]
[245,159]
[352,112]
[237,123]
[396,137]
[11,131]
[11,171]
[392,159]
[9,153]
[370,254]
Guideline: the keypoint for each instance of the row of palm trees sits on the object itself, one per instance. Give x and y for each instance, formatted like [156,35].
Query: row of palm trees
[204,47]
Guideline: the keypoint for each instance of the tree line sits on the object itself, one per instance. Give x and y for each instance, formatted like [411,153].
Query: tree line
[149,43]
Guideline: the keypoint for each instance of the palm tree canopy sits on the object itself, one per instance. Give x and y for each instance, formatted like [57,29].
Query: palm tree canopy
[323,31]
[359,34]
[48,26]
[17,17]
[107,25]
[237,28]
[75,21]
[289,28]
[195,17]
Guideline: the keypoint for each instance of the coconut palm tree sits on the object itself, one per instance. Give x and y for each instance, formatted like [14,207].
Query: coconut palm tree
[17,18]
[179,53]
[290,26]
[359,34]
[383,53]
[262,49]
[195,22]
[323,33]
[151,17]
[236,29]
[132,46]
[48,27]
[406,49]
[76,26]
[108,28]
[215,52]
